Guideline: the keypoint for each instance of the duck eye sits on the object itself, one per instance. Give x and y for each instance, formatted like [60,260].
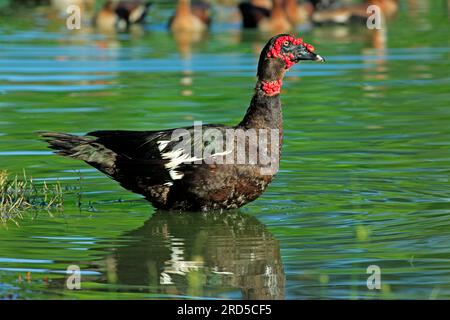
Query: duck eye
[286,43]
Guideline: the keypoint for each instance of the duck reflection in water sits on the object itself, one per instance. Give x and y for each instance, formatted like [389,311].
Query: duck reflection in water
[229,255]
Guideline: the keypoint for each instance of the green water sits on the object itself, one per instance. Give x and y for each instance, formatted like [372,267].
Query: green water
[364,176]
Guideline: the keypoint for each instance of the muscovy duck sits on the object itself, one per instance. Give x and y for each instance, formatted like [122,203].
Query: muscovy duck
[160,164]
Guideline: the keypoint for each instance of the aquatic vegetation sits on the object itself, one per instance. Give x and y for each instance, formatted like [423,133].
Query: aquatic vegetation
[19,194]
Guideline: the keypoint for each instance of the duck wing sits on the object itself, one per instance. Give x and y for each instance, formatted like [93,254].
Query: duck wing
[136,158]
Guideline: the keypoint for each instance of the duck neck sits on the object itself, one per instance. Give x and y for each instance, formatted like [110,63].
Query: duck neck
[183,8]
[264,112]
[265,107]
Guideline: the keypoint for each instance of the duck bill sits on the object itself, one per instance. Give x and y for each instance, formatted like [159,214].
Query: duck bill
[303,54]
[319,58]
[312,57]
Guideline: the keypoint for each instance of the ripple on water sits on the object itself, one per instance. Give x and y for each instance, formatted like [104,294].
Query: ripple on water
[363,179]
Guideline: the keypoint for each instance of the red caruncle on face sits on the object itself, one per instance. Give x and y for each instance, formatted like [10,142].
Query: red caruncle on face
[276,50]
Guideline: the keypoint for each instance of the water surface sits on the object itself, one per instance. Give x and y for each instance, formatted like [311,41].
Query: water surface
[364,177]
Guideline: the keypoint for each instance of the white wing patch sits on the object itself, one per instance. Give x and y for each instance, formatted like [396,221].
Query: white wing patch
[224,153]
[176,158]
[162,144]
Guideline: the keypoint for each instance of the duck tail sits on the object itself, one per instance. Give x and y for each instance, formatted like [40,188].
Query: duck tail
[64,144]
[83,148]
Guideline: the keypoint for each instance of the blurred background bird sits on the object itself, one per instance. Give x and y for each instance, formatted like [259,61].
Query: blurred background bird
[120,15]
[254,11]
[62,5]
[188,24]
[298,13]
[193,17]
[342,14]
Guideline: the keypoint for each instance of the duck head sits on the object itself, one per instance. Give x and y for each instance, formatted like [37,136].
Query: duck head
[281,53]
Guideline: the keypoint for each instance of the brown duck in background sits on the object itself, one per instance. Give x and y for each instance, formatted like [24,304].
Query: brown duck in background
[106,19]
[120,15]
[188,24]
[298,13]
[195,17]
[357,12]
[278,21]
